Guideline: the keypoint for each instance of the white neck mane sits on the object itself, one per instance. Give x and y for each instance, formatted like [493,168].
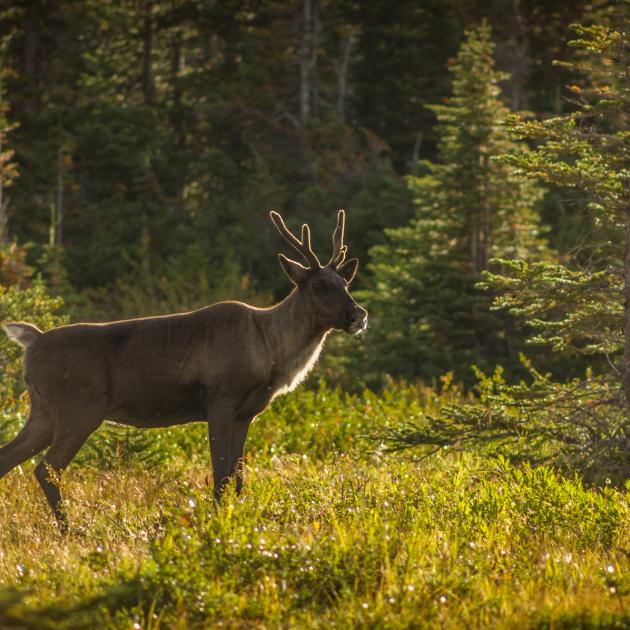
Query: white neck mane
[297,370]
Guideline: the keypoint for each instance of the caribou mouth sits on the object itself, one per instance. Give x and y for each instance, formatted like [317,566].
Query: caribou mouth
[358,328]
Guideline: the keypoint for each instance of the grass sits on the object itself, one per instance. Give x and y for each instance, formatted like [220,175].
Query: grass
[331,532]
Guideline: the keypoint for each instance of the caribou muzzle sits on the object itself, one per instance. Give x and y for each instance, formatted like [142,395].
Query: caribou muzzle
[357,318]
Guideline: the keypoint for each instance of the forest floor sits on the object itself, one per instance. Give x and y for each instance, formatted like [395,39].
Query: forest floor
[330,532]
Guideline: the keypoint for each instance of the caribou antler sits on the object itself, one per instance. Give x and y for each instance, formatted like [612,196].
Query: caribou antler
[303,246]
[339,249]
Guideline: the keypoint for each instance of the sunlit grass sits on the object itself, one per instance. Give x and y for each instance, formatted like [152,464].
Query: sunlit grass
[328,533]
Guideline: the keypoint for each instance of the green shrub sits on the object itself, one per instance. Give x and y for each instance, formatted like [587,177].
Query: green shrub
[577,425]
[35,305]
[340,541]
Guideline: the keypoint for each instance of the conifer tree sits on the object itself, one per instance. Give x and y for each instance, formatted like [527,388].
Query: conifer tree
[579,307]
[430,317]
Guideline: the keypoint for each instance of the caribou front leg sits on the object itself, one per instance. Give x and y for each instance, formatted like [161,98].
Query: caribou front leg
[239,435]
[221,418]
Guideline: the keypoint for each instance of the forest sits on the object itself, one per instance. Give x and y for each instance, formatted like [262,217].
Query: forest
[463,463]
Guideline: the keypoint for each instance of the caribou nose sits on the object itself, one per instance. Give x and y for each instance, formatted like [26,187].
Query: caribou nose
[356,314]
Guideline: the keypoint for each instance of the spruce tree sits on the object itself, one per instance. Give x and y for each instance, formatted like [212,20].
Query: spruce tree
[579,307]
[429,317]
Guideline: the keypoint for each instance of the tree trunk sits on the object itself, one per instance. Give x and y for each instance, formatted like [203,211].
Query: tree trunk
[4,218]
[474,242]
[342,74]
[3,208]
[59,200]
[148,86]
[307,60]
[511,52]
[626,320]
[486,220]
[31,46]
[177,113]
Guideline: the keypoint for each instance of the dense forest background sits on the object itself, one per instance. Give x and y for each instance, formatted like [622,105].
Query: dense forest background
[466,462]
[149,139]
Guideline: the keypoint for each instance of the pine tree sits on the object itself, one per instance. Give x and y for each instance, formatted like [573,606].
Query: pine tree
[579,307]
[429,316]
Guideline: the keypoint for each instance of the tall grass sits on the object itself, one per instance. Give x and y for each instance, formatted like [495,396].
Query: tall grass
[331,532]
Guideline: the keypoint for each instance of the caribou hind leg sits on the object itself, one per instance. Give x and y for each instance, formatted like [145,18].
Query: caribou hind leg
[34,437]
[68,439]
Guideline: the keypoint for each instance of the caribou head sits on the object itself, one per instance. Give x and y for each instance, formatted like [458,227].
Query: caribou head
[324,287]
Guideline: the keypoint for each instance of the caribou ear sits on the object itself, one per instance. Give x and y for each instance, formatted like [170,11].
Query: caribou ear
[297,273]
[348,269]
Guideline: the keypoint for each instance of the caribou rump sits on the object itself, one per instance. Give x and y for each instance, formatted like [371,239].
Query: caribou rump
[223,364]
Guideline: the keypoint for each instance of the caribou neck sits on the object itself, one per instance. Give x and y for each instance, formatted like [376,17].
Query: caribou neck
[292,330]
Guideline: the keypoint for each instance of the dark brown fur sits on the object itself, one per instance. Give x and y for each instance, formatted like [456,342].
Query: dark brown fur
[223,363]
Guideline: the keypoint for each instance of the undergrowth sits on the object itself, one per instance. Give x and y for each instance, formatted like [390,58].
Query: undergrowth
[332,531]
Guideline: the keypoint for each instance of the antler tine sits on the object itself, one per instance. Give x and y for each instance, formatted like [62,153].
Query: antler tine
[339,249]
[306,237]
[303,246]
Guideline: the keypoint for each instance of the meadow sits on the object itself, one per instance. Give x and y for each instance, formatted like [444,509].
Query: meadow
[332,531]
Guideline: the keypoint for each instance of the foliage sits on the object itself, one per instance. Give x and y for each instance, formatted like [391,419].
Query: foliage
[151,139]
[159,143]
[575,311]
[581,306]
[147,131]
[430,316]
[32,304]
[35,305]
[575,426]
[8,168]
[182,282]
[328,533]
[576,307]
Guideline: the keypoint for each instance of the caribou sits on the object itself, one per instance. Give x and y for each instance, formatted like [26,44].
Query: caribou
[222,364]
